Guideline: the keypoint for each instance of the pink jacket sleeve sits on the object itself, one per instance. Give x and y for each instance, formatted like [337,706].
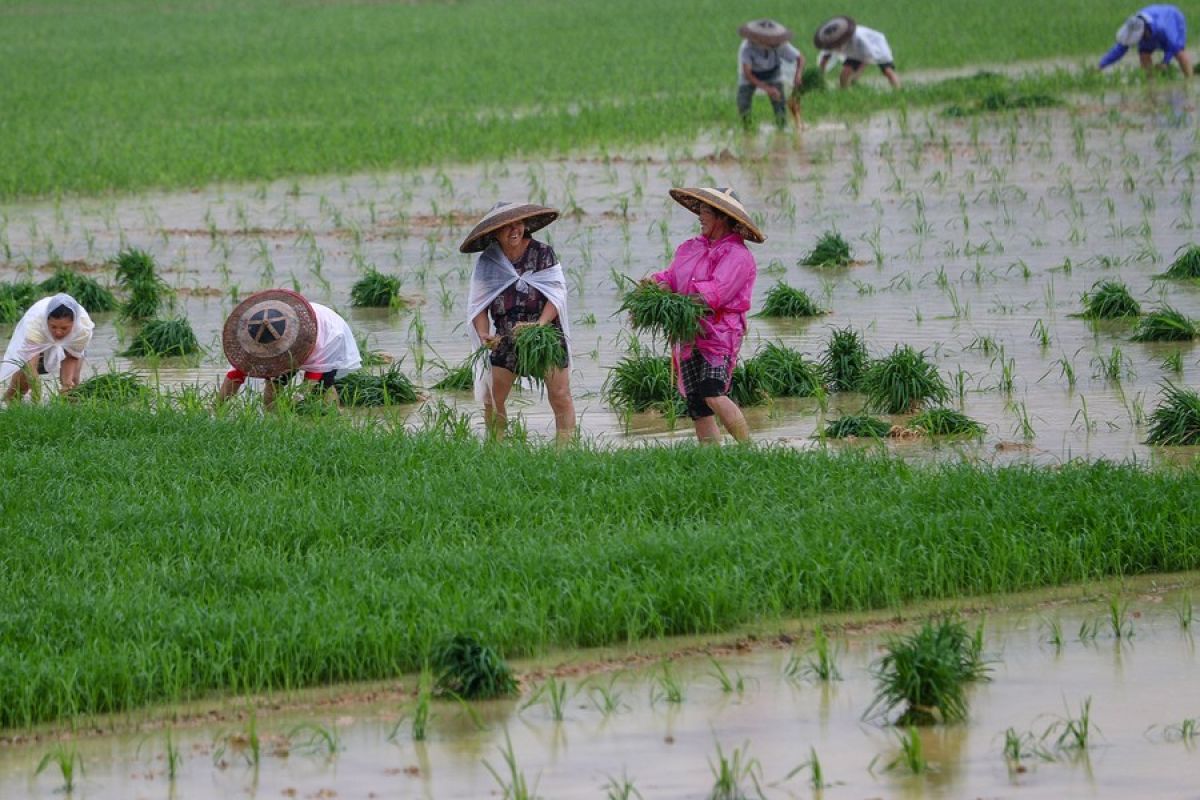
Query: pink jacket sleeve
[732,277]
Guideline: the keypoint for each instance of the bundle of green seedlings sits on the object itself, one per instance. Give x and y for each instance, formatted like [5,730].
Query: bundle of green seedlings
[903,382]
[832,250]
[747,386]
[1165,325]
[812,79]
[1109,300]
[845,360]
[945,422]
[643,382]
[467,668]
[87,291]
[376,290]
[1003,100]
[539,349]
[370,358]
[110,387]
[857,426]
[655,308]
[137,276]
[926,673]
[784,301]
[362,389]
[784,372]
[1186,265]
[462,377]
[163,338]
[15,299]
[1176,421]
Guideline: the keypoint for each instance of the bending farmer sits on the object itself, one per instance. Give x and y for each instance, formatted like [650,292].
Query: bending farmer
[52,336]
[858,46]
[765,46]
[1159,27]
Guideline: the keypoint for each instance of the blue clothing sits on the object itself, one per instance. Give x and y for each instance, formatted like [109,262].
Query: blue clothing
[1166,30]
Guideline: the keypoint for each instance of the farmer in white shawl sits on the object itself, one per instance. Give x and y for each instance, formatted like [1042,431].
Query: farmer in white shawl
[517,282]
[51,337]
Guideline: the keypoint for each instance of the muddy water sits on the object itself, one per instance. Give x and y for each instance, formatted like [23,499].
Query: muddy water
[972,235]
[1139,687]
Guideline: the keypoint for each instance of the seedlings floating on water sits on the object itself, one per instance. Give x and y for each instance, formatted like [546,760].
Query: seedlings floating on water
[831,250]
[785,301]
[1176,421]
[376,290]
[856,426]
[1109,300]
[163,338]
[87,291]
[643,382]
[783,372]
[145,290]
[1165,325]
[1186,265]
[945,422]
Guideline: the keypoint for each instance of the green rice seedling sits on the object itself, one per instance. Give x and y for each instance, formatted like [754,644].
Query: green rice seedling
[163,338]
[812,79]
[539,349]
[553,694]
[831,250]
[784,372]
[462,377]
[513,784]
[1088,630]
[642,382]
[1118,618]
[1054,632]
[903,382]
[912,753]
[822,661]
[364,390]
[15,300]
[319,739]
[90,293]
[1041,333]
[1173,362]
[811,765]
[1187,731]
[926,674]
[110,387]
[420,723]
[857,426]
[652,307]
[1186,264]
[1176,421]
[376,290]
[174,757]
[1073,734]
[747,386]
[1109,300]
[1184,611]
[1165,325]
[845,360]
[732,773]
[145,290]
[666,686]
[370,358]
[67,759]
[471,670]
[945,422]
[1019,746]
[621,789]
[606,699]
[785,301]
[735,684]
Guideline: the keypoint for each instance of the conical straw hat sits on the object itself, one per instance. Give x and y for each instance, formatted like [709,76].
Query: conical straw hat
[724,200]
[765,32]
[834,33]
[536,217]
[270,333]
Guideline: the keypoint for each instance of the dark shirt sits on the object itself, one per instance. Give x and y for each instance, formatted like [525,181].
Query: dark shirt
[512,305]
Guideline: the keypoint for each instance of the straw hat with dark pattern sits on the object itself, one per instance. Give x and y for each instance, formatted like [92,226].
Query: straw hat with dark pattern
[724,200]
[536,217]
[765,32]
[834,33]
[270,333]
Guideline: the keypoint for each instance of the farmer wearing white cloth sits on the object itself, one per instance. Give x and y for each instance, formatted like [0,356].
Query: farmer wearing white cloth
[858,46]
[517,282]
[51,337]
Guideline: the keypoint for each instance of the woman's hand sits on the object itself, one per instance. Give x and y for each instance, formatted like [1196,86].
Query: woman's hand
[490,342]
[521,325]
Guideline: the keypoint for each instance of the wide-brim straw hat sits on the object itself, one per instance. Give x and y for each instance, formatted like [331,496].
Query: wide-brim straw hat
[834,33]
[270,333]
[535,217]
[766,32]
[1131,31]
[725,201]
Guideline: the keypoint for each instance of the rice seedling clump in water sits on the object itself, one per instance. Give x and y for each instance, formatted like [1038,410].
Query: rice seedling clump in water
[146,291]
[471,670]
[845,360]
[784,372]
[15,300]
[1109,300]
[641,382]
[855,426]
[89,292]
[832,250]
[1186,265]
[945,422]
[812,80]
[109,387]
[652,307]
[376,290]
[163,338]
[539,349]
[747,386]
[1176,421]
[784,301]
[1165,325]
[903,382]
[363,389]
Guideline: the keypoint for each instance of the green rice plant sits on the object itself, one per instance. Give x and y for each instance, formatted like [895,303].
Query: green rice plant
[1165,325]
[462,377]
[320,739]
[903,382]
[812,79]
[370,358]
[539,349]
[553,694]
[1184,612]
[1073,734]
[1186,264]
[145,291]
[1109,300]
[607,698]
[926,674]
[1187,731]
[655,308]
[366,390]
[642,382]
[1118,618]
[1054,632]
[1089,630]
[1176,421]
[469,669]
[163,338]
[784,372]
[845,360]
[420,723]
[811,765]
[1173,362]
[786,301]
[831,250]
[513,785]
[110,387]
[1019,746]
[1002,100]
[732,773]
[822,661]
[174,757]
[945,422]
[67,759]
[87,291]
[622,789]
[748,386]
[857,426]
[15,300]
[666,686]
[730,684]
[376,290]
[912,752]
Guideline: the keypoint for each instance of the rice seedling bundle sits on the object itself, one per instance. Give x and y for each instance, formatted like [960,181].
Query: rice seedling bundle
[471,670]
[110,387]
[144,289]
[812,80]
[1109,300]
[362,389]
[15,300]
[845,360]
[1165,325]
[855,426]
[785,301]
[946,422]
[90,293]
[831,250]
[652,307]
[747,386]
[784,372]
[1176,421]
[457,379]
[641,382]
[539,349]
[1002,100]
[163,338]
[1186,265]
[903,382]
[376,290]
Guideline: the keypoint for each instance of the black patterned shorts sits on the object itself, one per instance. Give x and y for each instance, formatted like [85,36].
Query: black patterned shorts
[702,379]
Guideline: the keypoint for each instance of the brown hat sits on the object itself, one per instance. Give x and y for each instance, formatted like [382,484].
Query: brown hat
[270,333]
[725,201]
[834,33]
[765,32]
[536,217]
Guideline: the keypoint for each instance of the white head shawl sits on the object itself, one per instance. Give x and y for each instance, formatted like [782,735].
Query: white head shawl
[493,274]
[32,337]
[1131,32]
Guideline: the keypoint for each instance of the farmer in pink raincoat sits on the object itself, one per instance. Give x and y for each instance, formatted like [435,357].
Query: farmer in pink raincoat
[717,267]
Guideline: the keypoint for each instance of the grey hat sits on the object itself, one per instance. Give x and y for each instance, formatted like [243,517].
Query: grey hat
[765,32]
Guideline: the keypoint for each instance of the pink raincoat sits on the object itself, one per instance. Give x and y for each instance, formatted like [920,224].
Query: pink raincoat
[722,273]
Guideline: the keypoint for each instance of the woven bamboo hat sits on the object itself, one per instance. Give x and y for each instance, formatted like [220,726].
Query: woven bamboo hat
[724,200]
[765,32]
[270,333]
[834,33]
[536,217]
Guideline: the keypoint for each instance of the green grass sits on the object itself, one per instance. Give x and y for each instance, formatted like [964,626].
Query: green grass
[1176,421]
[15,300]
[1165,325]
[106,95]
[277,552]
[786,301]
[87,291]
[831,250]
[903,382]
[364,389]
[675,317]
[1109,300]
[163,338]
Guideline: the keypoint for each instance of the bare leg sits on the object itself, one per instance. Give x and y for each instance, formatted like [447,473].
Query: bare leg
[229,388]
[707,431]
[494,412]
[68,374]
[1185,63]
[1147,63]
[849,75]
[269,392]
[892,77]
[558,390]
[731,417]
[23,380]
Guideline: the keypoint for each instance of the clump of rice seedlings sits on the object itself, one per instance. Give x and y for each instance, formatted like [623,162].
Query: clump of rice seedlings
[945,422]
[667,686]
[1109,300]
[1176,421]
[1073,734]
[1002,100]
[458,379]
[15,300]
[732,773]
[163,338]
[1118,618]
[812,765]
[785,301]
[363,390]
[109,387]
[376,290]
[146,291]
[784,372]
[926,673]
[515,786]
[857,426]
[845,360]
[90,293]
[822,661]
[469,669]
[539,349]
[67,759]
[652,307]
[1186,265]
[643,382]
[903,382]
[1165,325]
[747,386]
[812,80]
[553,695]
[831,250]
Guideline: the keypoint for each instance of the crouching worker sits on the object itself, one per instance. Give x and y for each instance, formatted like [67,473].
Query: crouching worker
[50,338]
[858,46]
[1158,27]
[276,334]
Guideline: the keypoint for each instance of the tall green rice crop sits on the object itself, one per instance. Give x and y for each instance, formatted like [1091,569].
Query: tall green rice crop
[389,388]
[655,308]
[784,372]
[90,293]
[469,669]
[539,349]
[138,277]
[1109,300]
[831,250]
[376,290]
[1165,325]
[903,382]
[1186,265]
[845,360]
[163,338]
[857,426]
[15,300]
[945,422]
[1176,421]
[784,301]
